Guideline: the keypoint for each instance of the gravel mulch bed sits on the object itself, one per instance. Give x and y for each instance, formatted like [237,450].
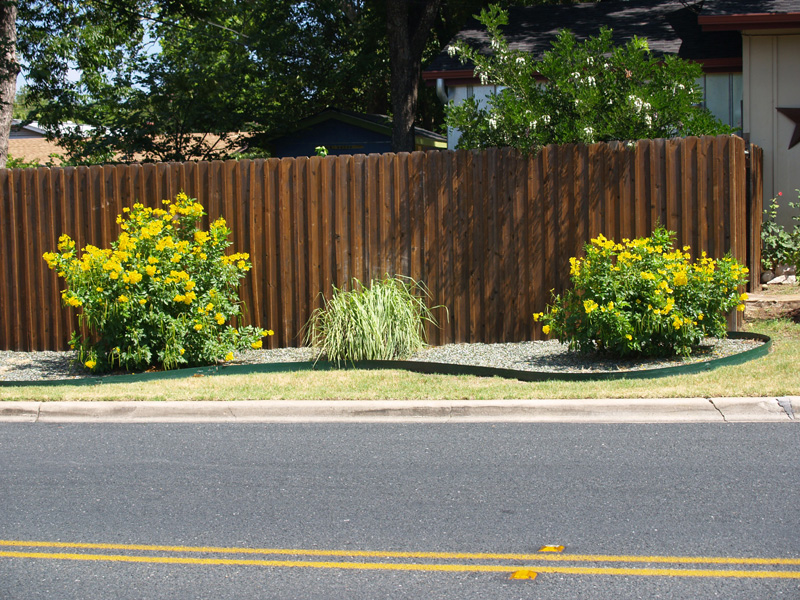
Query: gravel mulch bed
[547,356]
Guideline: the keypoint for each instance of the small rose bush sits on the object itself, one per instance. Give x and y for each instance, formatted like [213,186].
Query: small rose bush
[162,296]
[644,297]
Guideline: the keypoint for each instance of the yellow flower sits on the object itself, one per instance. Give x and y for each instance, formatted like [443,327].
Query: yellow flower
[267,332]
[680,279]
[150,270]
[537,316]
[90,364]
[182,351]
[179,298]
[256,344]
[220,318]
[740,308]
[142,301]
[546,330]
[743,297]
[229,356]
[122,299]
[198,327]
[99,289]
[700,317]
[589,306]
[629,336]
[574,266]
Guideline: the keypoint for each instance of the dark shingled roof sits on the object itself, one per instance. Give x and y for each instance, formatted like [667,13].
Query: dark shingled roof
[670,27]
[745,7]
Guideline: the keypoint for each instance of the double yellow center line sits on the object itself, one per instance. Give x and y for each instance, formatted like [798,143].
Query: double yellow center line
[543,562]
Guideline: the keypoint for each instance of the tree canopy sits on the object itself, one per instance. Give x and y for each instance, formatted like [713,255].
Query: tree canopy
[149,75]
[179,80]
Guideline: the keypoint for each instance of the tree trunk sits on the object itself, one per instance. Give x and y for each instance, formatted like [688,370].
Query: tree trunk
[9,69]
[408,32]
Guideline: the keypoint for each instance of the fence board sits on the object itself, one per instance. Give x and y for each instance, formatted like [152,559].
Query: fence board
[490,233]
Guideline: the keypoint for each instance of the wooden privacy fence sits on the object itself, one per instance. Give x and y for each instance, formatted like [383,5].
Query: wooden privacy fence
[490,233]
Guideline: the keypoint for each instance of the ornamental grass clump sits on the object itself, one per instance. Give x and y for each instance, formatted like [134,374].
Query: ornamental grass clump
[162,296]
[643,297]
[381,322]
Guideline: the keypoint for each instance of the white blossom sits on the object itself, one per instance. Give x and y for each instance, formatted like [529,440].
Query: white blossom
[589,60]
[495,45]
[492,123]
[637,102]
[589,132]
[546,119]
[451,50]
[520,60]
[575,75]
[484,78]
[590,80]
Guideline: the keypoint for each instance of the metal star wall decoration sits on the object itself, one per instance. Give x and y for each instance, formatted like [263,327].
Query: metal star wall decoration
[794,115]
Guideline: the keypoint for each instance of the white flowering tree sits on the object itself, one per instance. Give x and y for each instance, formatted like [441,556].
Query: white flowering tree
[588,91]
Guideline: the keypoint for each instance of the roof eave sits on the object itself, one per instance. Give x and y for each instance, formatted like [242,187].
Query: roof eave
[743,21]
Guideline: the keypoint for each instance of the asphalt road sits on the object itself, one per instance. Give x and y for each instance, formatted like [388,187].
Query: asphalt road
[367,511]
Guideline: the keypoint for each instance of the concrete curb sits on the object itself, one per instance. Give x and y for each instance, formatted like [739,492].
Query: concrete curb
[646,410]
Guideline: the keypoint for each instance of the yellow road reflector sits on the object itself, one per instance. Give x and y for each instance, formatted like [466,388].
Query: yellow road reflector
[551,549]
[523,574]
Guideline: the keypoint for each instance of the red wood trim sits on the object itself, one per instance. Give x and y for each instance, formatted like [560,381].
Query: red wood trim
[721,65]
[749,21]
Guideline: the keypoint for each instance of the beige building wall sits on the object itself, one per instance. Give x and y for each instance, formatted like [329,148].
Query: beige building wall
[771,79]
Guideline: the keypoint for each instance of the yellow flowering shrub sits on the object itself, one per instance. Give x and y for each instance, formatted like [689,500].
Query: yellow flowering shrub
[644,297]
[162,296]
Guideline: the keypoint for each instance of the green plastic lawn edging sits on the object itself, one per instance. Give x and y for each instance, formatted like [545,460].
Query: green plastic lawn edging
[430,368]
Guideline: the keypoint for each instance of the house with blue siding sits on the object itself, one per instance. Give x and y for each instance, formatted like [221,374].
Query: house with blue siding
[346,132]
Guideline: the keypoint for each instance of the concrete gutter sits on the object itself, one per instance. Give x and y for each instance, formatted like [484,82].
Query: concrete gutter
[647,410]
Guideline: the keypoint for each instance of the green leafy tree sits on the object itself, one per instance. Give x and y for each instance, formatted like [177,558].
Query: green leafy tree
[166,80]
[589,91]
[162,81]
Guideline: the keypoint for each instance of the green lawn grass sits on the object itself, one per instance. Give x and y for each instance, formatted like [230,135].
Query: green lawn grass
[772,375]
